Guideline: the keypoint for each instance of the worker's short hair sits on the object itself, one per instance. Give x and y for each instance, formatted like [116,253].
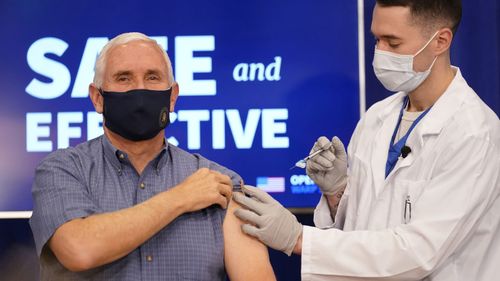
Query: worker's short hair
[431,14]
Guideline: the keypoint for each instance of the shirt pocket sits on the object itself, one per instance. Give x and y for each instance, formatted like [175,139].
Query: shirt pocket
[404,201]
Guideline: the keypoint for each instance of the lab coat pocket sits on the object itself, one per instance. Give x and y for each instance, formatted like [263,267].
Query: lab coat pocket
[405,201]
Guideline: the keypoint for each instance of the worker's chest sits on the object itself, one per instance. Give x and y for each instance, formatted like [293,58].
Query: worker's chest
[376,202]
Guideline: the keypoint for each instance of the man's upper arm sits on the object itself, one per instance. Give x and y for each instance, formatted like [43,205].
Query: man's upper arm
[245,257]
[58,197]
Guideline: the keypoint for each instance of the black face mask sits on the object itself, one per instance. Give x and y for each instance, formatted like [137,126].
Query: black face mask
[137,114]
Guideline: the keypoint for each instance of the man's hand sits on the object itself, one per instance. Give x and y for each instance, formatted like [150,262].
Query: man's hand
[204,188]
[328,169]
[269,221]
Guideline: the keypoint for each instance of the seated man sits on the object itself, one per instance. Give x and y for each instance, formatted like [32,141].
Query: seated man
[128,205]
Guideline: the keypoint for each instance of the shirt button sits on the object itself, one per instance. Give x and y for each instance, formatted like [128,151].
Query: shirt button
[149,258]
[122,156]
[142,185]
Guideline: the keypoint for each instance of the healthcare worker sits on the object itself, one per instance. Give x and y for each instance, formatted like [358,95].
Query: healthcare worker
[421,179]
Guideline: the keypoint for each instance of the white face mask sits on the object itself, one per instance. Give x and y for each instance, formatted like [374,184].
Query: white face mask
[396,72]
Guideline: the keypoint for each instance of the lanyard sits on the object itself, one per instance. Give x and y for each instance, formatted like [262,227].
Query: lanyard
[395,148]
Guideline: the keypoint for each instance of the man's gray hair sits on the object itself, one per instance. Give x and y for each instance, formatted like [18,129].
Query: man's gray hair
[122,39]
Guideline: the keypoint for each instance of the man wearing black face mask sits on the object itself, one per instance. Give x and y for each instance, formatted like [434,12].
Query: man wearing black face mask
[136,115]
[129,206]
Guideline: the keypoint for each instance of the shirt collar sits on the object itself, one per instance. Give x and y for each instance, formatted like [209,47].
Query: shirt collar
[111,153]
[442,109]
[161,160]
[117,157]
[447,105]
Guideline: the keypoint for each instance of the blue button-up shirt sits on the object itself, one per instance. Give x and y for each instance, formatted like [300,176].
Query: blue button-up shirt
[94,177]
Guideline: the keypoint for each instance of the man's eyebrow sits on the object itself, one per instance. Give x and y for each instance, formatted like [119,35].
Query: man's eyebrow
[386,36]
[390,37]
[122,72]
[154,71]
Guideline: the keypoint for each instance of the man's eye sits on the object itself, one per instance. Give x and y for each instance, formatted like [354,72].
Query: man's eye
[122,78]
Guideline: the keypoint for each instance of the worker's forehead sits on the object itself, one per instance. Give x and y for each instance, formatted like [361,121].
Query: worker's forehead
[393,21]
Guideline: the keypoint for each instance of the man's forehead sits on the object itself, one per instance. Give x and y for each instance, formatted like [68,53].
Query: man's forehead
[133,48]
[135,54]
[391,22]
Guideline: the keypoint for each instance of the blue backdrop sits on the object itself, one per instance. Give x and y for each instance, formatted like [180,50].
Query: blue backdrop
[476,51]
[257,81]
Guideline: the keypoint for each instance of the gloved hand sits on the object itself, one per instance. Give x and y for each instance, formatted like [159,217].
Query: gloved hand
[328,169]
[269,221]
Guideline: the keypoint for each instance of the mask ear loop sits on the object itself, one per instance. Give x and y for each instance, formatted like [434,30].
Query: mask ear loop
[432,64]
[426,44]
[423,48]
[101,92]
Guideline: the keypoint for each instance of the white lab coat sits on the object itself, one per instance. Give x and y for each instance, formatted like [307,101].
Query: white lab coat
[452,176]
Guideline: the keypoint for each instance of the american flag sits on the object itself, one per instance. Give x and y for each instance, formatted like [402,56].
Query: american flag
[271,184]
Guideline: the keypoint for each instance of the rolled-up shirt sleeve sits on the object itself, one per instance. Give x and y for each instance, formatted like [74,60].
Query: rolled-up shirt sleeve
[59,195]
[235,178]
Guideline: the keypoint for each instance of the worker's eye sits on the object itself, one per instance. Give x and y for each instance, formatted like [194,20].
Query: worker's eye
[393,43]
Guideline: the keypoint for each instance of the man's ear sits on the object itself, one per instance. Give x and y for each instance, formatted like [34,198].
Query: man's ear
[444,38]
[96,98]
[173,96]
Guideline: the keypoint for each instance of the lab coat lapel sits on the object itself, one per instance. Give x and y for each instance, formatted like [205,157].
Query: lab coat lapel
[388,120]
[446,106]
[434,121]
[415,143]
